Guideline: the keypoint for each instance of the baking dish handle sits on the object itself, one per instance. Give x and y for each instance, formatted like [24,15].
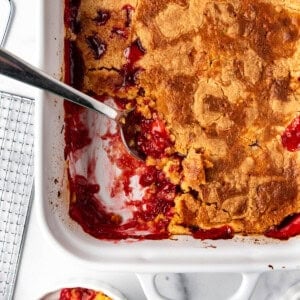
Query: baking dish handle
[247,286]
[244,292]
[147,282]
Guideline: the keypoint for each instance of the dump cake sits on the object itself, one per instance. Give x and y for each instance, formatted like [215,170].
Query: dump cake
[215,91]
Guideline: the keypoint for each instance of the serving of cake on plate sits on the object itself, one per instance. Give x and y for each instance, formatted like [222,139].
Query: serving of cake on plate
[215,86]
[81,294]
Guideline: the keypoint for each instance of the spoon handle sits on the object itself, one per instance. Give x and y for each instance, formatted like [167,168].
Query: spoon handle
[16,68]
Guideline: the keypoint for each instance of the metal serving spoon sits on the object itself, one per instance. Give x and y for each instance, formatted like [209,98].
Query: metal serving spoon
[16,68]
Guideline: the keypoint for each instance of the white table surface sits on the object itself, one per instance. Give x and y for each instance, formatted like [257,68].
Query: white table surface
[42,265]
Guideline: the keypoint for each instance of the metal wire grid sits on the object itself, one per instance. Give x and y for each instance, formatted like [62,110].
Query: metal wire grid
[16,180]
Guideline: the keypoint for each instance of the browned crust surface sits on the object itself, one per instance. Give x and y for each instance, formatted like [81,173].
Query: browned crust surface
[225,77]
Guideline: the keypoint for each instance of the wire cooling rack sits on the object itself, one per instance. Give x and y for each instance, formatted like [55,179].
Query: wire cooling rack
[16,180]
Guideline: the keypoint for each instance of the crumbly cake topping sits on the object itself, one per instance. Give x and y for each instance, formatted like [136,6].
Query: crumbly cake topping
[224,76]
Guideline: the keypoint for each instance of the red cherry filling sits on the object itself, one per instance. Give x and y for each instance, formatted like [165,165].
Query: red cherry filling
[96,45]
[124,31]
[160,198]
[289,227]
[129,10]
[153,138]
[122,102]
[90,213]
[74,65]
[291,136]
[135,52]
[149,177]
[79,293]
[76,132]
[147,136]
[130,72]
[70,16]
[224,232]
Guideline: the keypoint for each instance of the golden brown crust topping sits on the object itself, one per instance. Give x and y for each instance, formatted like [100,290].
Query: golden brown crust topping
[224,76]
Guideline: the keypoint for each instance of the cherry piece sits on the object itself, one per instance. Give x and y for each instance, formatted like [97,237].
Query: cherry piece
[130,72]
[97,46]
[224,233]
[149,177]
[77,294]
[102,17]
[161,200]
[135,52]
[153,138]
[291,136]
[289,227]
[149,136]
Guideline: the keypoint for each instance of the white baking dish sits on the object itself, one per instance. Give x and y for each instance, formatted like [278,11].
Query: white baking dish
[241,254]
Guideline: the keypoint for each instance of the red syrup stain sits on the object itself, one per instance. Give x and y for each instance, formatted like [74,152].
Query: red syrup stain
[291,136]
[77,294]
[76,132]
[130,71]
[224,233]
[74,65]
[123,32]
[88,211]
[91,168]
[288,228]
[119,157]
[71,14]
[129,11]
